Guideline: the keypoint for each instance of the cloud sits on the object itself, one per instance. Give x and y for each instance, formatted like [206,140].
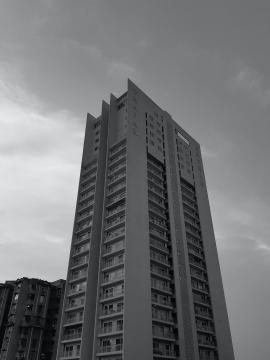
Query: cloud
[118,69]
[239,222]
[40,155]
[208,153]
[252,83]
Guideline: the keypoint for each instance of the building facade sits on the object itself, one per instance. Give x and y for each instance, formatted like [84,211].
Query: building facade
[31,319]
[143,278]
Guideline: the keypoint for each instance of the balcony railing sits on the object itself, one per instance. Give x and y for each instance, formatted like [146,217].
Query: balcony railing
[159,245]
[158,286]
[159,234]
[163,352]
[118,209]
[113,262]
[78,262]
[108,330]
[110,348]
[112,294]
[76,290]
[159,258]
[73,320]
[114,178]
[116,198]
[201,299]
[84,226]
[116,159]
[111,312]
[164,273]
[116,168]
[72,336]
[166,335]
[117,221]
[117,149]
[84,215]
[163,318]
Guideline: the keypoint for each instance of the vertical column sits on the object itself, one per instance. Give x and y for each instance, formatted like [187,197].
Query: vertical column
[137,316]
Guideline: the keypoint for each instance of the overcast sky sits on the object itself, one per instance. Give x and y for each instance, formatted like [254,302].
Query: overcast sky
[205,62]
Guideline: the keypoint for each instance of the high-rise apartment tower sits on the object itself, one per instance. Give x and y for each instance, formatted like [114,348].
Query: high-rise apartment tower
[143,279]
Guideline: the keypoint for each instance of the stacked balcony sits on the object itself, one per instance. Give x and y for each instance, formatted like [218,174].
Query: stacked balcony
[198,271]
[112,265]
[78,267]
[164,325]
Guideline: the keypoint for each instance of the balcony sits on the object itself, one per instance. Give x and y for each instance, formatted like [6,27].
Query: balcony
[118,221]
[155,166]
[88,186]
[157,192]
[164,335]
[159,245]
[73,320]
[156,181]
[164,353]
[113,179]
[117,210]
[109,349]
[163,303]
[84,216]
[203,314]
[84,205]
[194,240]
[78,277]
[79,262]
[110,330]
[89,169]
[202,289]
[163,319]
[207,329]
[81,250]
[74,306]
[198,275]
[115,199]
[116,160]
[201,300]
[160,273]
[73,355]
[192,222]
[189,202]
[196,263]
[110,313]
[188,193]
[160,287]
[159,258]
[112,279]
[159,234]
[198,253]
[116,148]
[76,291]
[207,343]
[157,173]
[87,195]
[161,224]
[82,238]
[117,169]
[114,235]
[157,212]
[156,200]
[113,263]
[112,295]
[71,337]
[84,226]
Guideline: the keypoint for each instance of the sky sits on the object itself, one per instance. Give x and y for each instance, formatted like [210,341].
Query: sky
[205,62]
